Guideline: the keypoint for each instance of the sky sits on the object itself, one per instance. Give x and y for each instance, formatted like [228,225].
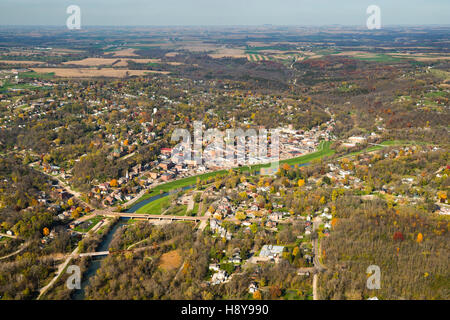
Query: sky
[223,12]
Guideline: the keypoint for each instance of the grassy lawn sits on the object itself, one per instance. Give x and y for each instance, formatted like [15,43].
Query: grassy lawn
[195,210]
[155,207]
[292,295]
[324,151]
[181,183]
[177,211]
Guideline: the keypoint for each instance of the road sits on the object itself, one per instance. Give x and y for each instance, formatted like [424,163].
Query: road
[8,236]
[315,294]
[317,264]
[77,195]
[61,268]
[23,247]
[203,223]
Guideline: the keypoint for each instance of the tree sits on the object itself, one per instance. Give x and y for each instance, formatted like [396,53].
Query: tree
[113,183]
[398,236]
[75,214]
[243,195]
[257,295]
[240,216]
[333,222]
[442,195]
[275,292]
[419,238]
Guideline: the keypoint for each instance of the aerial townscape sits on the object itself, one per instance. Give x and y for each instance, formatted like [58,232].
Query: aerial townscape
[93,175]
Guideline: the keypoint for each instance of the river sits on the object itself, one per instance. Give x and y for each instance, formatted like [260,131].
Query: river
[95,262]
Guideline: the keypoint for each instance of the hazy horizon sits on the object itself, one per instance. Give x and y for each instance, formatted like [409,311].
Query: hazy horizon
[142,13]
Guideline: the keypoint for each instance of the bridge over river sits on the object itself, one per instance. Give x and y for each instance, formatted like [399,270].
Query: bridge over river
[147,217]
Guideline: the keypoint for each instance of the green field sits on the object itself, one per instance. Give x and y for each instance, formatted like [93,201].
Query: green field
[24,86]
[380,58]
[35,75]
[155,207]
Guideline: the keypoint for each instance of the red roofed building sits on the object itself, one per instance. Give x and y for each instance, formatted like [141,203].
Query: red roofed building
[166,151]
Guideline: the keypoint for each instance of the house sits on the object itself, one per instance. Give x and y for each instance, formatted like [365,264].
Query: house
[271,224]
[75,224]
[308,258]
[219,277]
[276,216]
[356,140]
[271,252]
[444,210]
[214,267]
[166,165]
[153,175]
[307,232]
[167,176]
[179,167]
[166,151]
[236,256]
[253,287]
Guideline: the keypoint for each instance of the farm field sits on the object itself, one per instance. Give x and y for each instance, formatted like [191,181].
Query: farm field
[95,62]
[22,62]
[129,52]
[90,73]
[257,57]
